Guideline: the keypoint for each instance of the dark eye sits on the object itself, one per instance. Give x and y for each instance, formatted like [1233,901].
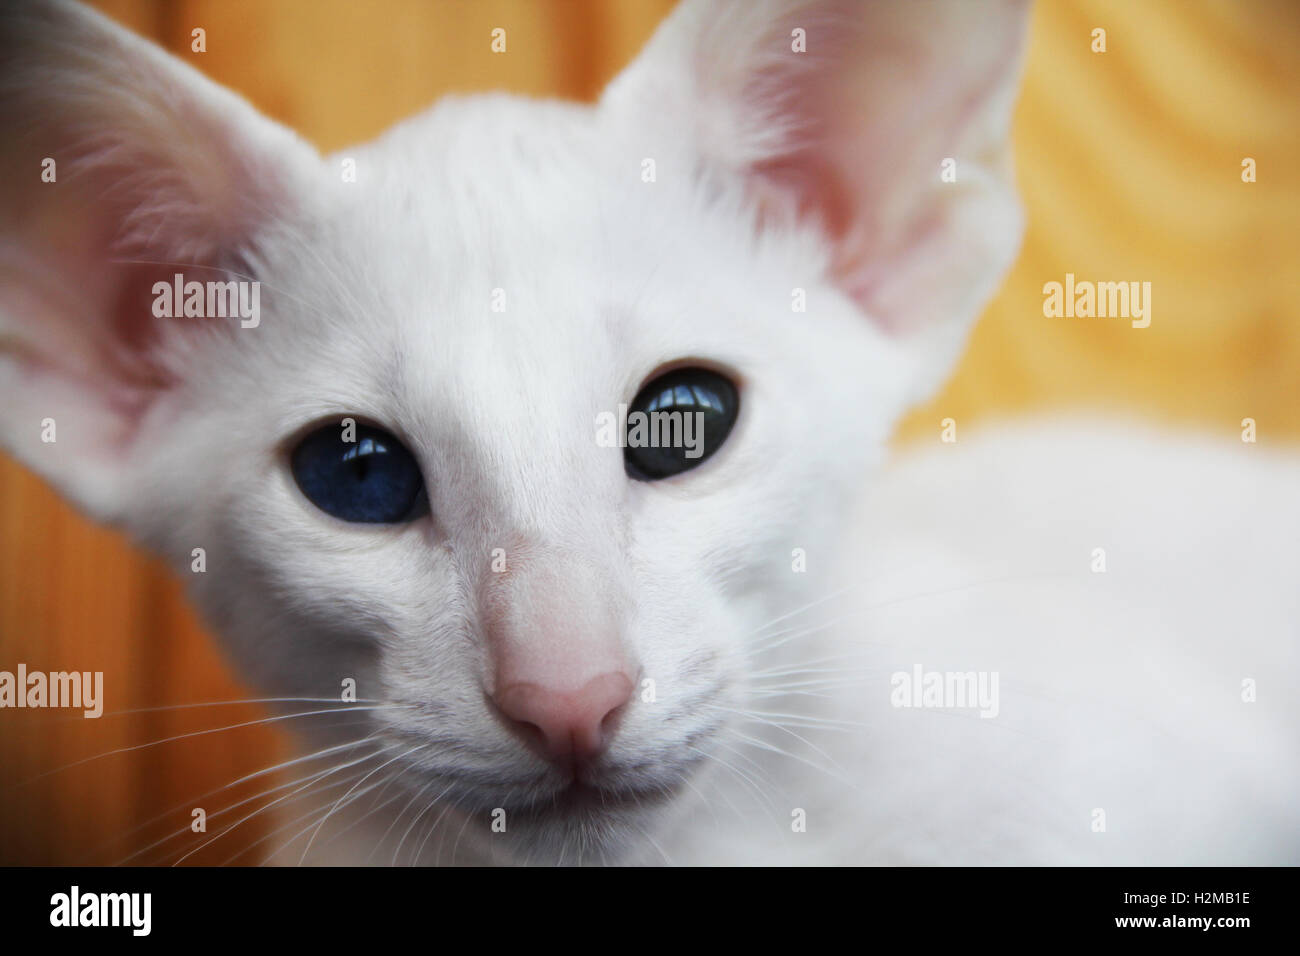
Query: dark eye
[677,421]
[372,479]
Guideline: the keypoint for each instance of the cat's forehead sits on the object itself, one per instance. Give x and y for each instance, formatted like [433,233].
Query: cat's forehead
[490,233]
[493,189]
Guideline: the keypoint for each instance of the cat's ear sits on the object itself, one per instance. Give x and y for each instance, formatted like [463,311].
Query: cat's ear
[885,122]
[114,154]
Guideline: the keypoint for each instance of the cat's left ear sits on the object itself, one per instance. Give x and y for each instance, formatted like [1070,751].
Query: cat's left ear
[115,153]
[884,122]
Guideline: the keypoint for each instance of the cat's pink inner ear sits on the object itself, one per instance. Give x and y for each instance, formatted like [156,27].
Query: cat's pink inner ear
[900,97]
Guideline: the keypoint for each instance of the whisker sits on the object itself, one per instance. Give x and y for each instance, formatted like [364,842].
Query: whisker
[813,723]
[189,803]
[754,786]
[781,727]
[722,792]
[419,851]
[813,667]
[871,579]
[455,849]
[772,748]
[278,800]
[354,786]
[799,610]
[416,819]
[196,733]
[392,823]
[653,842]
[231,703]
[319,808]
[325,815]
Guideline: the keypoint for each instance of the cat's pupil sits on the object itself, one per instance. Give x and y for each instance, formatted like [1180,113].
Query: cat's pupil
[360,454]
[677,421]
[372,479]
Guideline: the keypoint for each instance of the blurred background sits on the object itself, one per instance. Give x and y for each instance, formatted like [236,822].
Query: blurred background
[1130,164]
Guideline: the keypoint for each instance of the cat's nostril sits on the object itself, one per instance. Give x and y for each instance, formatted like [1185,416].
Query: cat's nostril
[567,726]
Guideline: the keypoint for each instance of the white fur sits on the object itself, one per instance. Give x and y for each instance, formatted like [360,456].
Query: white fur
[376,304]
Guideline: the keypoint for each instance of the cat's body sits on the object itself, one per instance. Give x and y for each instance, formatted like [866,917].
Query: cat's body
[563,654]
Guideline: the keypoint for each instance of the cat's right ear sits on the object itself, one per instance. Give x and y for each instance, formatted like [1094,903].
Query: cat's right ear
[115,155]
[883,124]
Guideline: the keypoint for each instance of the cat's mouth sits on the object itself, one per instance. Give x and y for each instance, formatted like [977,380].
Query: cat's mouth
[585,798]
[579,801]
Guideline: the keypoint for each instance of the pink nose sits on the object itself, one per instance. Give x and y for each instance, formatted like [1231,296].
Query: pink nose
[568,727]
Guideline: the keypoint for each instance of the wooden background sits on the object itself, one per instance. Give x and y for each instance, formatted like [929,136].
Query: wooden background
[1130,166]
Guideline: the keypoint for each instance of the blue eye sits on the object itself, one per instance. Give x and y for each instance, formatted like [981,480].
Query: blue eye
[373,479]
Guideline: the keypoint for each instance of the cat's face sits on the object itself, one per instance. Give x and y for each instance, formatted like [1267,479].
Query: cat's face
[539,559]
[549,633]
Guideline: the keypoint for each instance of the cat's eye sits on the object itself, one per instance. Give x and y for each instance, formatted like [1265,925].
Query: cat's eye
[677,421]
[359,473]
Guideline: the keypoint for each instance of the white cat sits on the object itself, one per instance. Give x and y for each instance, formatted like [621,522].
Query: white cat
[571,652]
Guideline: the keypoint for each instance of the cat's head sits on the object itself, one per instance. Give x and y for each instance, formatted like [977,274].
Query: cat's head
[793,211]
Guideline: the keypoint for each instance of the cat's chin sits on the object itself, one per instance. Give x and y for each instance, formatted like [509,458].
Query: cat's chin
[587,826]
[581,824]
